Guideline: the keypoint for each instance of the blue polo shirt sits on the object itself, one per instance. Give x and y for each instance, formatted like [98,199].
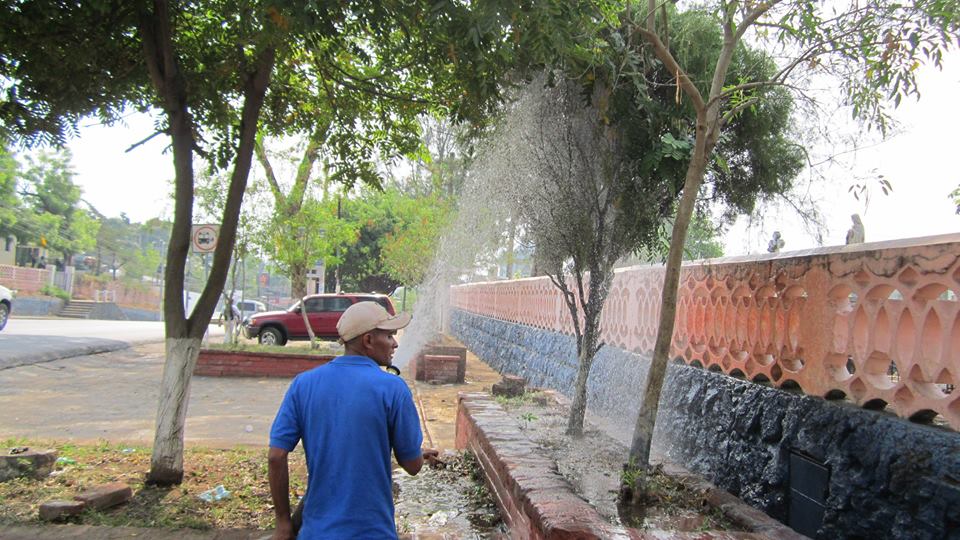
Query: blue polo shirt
[349,415]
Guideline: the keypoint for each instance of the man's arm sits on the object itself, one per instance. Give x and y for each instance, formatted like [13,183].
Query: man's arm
[412,466]
[429,455]
[279,474]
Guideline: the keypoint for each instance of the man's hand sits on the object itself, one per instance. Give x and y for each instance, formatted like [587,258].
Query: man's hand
[284,531]
[432,457]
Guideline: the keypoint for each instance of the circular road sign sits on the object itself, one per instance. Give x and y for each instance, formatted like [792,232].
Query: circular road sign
[203,238]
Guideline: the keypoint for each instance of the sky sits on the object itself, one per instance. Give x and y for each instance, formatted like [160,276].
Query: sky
[920,162]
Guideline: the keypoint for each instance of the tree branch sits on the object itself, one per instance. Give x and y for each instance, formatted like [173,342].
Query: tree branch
[146,140]
[671,64]
[264,160]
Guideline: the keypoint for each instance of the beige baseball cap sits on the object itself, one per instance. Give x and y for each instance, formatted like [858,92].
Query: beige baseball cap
[363,317]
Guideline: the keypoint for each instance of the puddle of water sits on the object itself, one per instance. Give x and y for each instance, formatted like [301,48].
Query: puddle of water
[451,500]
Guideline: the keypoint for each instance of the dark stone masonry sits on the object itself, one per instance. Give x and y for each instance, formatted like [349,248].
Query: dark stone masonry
[841,471]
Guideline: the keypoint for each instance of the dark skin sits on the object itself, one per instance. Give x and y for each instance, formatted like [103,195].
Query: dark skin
[378,345]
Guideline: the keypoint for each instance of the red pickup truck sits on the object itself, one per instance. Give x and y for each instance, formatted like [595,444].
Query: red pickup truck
[323,312]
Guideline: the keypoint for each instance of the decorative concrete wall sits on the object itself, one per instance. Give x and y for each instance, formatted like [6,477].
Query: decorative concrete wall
[144,296]
[24,280]
[888,478]
[876,323]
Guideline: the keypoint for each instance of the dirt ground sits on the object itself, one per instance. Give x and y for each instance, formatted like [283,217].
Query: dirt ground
[113,396]
[438,402]
[593,465]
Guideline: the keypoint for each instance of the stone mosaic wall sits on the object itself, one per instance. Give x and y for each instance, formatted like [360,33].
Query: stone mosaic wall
[876,323]
[889,478]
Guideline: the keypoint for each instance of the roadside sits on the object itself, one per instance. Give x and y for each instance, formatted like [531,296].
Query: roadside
[37,340]
[112,397]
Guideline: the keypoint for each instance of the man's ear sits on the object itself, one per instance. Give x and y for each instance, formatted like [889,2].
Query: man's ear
[366,341]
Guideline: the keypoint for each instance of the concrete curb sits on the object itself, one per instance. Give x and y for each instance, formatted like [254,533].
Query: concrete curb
[80,350]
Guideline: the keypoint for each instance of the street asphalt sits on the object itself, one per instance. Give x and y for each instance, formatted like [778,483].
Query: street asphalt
[27,341]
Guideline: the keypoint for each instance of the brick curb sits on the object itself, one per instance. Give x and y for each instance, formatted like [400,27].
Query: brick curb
[537,502]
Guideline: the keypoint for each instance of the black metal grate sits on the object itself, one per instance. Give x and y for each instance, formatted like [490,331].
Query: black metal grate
[809,484]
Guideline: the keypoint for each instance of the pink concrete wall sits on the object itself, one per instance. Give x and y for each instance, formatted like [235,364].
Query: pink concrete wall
[24,280]
[877,323]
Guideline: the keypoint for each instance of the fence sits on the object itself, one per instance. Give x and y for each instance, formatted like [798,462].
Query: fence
[875,323]
[23,279]
[29,281]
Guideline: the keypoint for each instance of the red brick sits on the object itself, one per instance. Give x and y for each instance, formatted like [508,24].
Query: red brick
[106,495]
[54,510]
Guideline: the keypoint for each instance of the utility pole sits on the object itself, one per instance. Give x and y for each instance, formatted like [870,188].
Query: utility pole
[337,271]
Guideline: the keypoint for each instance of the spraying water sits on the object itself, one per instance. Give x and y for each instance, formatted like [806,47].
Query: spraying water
[500,182]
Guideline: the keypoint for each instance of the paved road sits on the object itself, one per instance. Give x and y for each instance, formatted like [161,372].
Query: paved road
[114,395]
[32,341]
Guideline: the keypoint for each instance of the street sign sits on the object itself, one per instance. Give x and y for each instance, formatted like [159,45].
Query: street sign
[203,238]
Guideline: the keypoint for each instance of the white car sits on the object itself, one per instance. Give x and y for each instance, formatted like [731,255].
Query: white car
[246,308]
[6,304]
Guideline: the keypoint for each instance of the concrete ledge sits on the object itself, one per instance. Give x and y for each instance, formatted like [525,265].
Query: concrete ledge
[537,502]
[222,363]
[36,306]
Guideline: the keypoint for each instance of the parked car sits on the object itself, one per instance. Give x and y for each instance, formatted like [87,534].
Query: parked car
[6,304]
[246,308]
[323,312]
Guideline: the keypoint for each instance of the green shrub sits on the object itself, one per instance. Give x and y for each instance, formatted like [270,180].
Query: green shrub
[53,290]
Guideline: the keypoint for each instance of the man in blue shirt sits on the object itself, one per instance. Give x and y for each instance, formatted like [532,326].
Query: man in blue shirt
[349,414]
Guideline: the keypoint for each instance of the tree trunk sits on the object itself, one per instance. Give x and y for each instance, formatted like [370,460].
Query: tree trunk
[708,125]
[298,279]
[643,430]
[183,334]
[306,322]
[166,462]
[578,408]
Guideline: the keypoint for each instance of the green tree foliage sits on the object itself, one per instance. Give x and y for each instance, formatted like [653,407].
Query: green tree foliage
[221,71]
[9,202]
[408,250]
[312,234]
[374,214]
[51,214]
[609,144]
[871,49]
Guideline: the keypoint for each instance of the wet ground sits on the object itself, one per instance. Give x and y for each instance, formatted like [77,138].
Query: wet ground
[593,464]
[450,500]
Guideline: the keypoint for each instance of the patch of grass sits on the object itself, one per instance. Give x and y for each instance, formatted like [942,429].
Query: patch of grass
[243,471]
[526,398]
[666,495]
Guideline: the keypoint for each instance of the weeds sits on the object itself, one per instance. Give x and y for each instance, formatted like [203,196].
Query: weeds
[526,398]
[240,470]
